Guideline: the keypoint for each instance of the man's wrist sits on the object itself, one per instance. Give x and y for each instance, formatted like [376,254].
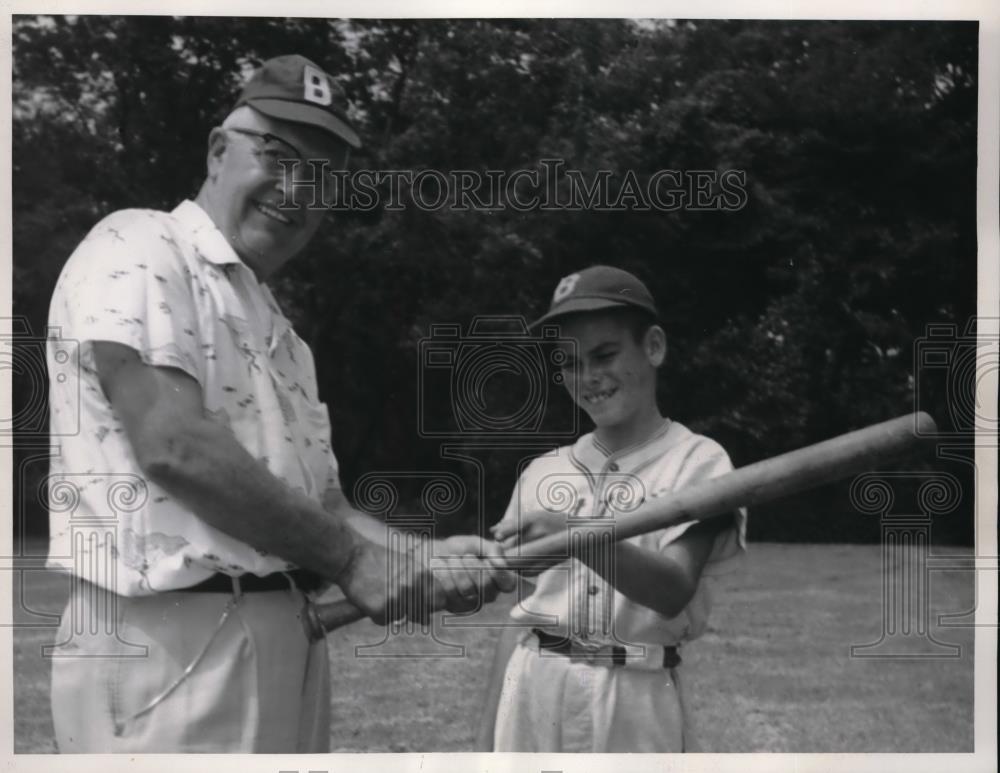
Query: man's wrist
[343,572]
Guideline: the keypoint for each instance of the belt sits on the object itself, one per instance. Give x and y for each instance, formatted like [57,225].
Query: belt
[607,654]
[302,579]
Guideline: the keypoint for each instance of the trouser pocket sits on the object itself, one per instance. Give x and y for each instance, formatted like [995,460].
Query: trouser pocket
[195,688]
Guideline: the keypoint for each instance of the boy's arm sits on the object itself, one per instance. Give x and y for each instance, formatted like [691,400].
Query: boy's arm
[505,648]
[665,581]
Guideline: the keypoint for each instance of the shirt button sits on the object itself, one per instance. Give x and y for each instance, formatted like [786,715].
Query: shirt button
[593,590]
[613,467]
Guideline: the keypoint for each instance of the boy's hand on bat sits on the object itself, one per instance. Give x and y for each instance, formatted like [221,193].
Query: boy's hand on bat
[477,570]
[527,527]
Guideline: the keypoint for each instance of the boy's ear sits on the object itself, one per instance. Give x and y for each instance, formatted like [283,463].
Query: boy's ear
[655,344]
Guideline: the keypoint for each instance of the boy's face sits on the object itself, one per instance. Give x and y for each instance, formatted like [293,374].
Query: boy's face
[611,375]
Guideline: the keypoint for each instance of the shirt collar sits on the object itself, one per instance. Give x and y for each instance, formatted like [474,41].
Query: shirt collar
[211,246]
[596,457]
[209,242]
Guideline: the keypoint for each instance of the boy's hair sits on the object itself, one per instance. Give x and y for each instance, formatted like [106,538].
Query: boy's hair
[637,321]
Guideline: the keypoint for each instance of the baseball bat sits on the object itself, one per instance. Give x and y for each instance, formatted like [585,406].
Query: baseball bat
[764,481]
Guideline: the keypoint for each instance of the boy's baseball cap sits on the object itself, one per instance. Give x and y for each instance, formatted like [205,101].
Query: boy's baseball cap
[595,288]
[292,88]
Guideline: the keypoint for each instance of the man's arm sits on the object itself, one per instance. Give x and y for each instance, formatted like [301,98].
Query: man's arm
[368,527]
[202,464]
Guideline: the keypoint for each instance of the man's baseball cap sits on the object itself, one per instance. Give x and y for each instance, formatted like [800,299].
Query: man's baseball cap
[596,288]
[292,88]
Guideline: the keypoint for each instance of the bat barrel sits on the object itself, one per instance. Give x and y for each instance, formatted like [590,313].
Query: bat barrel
[764,481]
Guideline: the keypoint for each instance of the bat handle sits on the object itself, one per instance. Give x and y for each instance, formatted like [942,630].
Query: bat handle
[320,618]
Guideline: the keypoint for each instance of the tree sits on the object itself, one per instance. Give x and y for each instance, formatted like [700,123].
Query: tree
[792,316]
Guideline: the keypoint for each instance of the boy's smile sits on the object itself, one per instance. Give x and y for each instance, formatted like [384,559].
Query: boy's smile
[597,399]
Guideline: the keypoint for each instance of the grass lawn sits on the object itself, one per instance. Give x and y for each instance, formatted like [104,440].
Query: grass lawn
[774,672]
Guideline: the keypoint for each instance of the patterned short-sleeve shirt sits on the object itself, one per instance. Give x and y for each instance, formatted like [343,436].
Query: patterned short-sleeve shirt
[170,287]
[586,481]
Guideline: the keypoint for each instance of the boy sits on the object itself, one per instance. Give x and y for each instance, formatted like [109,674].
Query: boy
[599,671]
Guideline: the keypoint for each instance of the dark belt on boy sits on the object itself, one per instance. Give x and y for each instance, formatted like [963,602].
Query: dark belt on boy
[606,654]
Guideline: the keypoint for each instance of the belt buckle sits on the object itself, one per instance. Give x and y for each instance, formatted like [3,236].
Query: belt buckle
[582,650]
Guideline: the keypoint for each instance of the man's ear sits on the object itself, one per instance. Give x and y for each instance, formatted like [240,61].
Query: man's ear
[655,345]
[217,143]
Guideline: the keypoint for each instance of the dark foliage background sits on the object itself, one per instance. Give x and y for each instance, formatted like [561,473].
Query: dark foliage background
[791,320]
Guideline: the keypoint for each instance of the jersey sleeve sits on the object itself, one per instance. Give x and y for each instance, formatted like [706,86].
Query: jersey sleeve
[128,283]
[707,460]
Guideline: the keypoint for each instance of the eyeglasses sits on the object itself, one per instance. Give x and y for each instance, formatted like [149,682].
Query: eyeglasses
[271,150]
[282,160]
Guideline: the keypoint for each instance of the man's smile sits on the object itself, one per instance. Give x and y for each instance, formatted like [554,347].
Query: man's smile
[272,212]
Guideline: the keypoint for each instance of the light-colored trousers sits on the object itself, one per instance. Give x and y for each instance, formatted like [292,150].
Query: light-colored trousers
[550,703]
[188,672]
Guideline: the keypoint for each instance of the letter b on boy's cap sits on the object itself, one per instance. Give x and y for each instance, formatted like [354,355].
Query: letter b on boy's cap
[595,288]
[292,88]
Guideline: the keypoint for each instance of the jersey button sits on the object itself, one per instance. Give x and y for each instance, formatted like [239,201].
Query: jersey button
[613,467]
[593,590]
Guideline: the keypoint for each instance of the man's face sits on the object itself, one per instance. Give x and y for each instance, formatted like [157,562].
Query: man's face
[611,375]
[266,220]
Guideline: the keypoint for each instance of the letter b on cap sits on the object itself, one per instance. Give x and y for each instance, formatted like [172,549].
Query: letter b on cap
[317,87]
[565,287]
